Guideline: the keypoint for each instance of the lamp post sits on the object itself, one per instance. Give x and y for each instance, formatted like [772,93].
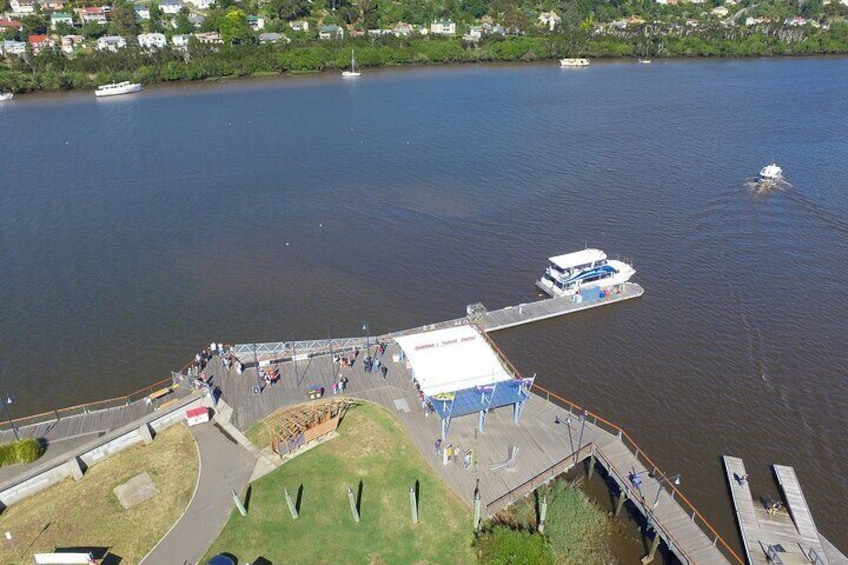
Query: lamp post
[257,388]
[582,428]
[367,329]
[6,401]
[676,479]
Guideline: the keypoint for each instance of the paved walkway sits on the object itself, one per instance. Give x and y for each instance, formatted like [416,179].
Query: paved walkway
[224,466]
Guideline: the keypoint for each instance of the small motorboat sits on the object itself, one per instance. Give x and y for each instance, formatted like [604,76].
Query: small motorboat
[770,174]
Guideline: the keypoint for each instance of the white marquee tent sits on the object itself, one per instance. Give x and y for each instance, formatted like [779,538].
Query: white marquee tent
[452,359]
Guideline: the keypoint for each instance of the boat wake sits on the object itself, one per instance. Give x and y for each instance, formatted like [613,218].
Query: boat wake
[758,186]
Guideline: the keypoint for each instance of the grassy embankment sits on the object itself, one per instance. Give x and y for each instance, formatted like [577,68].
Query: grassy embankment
[87,513]
[372,448]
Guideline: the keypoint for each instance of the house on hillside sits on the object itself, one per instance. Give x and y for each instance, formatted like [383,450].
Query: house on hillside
[196,20]
[10,26]
[201,4]
[71,43]
[299,26]
[181,41]
[93,15]
[443,27]
[256,23]
[474,33]
[720,12]
[61,18]
[210,37]
[141,12]
[111,43]
[39,43]
[402,29]
[330,32]
[9,47]
[151,41]
[22,7]
[170,7]
[550,19]
[53,5]
[272,37]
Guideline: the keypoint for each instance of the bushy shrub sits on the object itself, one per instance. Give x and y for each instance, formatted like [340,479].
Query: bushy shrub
[26,450]
[504,546]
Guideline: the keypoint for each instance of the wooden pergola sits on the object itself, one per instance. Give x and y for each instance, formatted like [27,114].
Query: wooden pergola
[293,427]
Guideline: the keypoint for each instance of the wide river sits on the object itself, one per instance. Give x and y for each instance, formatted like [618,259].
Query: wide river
[135,230]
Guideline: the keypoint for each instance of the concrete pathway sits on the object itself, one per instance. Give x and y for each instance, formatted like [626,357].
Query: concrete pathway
[224,466]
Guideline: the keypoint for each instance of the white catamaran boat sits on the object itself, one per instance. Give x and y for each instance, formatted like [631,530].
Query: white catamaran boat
[574,62]
[570,273]
[770,174]
[352,73]
[114,89]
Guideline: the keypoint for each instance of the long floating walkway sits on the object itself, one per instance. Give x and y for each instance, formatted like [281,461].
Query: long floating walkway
[530,312]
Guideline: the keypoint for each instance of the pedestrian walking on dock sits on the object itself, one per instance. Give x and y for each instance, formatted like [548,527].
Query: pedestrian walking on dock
[438,446]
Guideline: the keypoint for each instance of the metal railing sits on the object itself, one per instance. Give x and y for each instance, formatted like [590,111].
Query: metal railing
[247,352]
[633,447]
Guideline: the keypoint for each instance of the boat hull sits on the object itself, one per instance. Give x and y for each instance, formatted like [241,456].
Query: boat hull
[6,96]
[349,74]
[129,89]
[574,62]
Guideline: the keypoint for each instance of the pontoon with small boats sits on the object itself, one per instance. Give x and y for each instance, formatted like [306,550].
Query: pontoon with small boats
[570,273]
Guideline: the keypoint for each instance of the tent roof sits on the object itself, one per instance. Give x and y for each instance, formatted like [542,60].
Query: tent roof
[452,359]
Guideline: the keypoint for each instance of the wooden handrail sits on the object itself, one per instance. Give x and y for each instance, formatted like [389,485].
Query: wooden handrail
[638,451]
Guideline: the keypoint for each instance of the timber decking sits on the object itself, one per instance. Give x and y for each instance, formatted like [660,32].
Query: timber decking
[512,316]
[542,443]
[793,531]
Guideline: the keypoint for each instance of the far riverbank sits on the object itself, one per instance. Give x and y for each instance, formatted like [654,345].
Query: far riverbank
[53,72]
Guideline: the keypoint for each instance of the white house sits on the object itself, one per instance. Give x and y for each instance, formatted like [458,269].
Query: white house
[720,11]
[474,33]
[271,37]
[152,40]
[330,32]
[299,26]
[181,41]
[10,25]
[111,43]
[13,47]
[201,4]
[443,27]
[142,12]
[402,29]
[22,7]
[550,19]
[61,18]
[170,7]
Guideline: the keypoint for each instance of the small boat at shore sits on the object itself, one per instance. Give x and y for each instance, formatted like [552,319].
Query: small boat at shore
[645,61]
[770,174]
[352,73]
[568,274]
[114,89]
[6,96]
[574,62]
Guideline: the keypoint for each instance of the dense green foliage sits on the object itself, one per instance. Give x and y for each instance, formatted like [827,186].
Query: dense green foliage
[25,450]
[654,30]
[576,529]
[54,71]
[503,545]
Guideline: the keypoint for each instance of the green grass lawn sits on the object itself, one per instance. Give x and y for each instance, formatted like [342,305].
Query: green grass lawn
[372,448]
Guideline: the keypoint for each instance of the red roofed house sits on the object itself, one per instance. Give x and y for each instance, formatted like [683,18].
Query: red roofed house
[10,25]
[39,42]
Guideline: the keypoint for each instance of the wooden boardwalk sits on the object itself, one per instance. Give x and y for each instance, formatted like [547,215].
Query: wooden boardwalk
[512,316]
[772,535]
[545,447]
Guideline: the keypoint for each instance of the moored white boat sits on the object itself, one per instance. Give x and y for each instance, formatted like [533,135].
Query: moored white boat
[645,61]
[770,174]
[116,88]
[6,96]
[574,62]
[570,273]
[352,73]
